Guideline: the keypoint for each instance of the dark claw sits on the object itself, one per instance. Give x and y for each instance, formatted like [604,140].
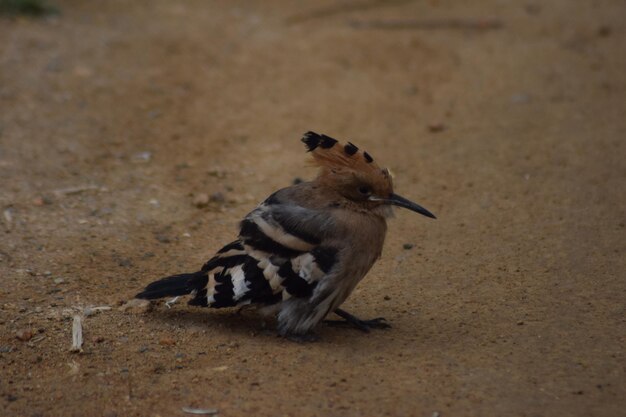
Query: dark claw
[377,323]
[363,325]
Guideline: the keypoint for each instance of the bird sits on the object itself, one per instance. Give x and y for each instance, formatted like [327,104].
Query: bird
[302,251]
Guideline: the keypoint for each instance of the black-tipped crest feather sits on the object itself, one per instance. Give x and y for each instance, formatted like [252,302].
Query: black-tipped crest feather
[327,142]
[350,148]
[311,140]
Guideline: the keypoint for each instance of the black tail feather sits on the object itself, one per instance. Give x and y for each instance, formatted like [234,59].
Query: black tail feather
[173,286]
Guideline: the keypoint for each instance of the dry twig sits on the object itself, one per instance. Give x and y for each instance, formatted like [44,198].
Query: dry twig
[77,335]
[74,190]
[200,411]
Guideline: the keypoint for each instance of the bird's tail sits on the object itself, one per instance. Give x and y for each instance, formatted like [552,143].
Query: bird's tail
[174,285]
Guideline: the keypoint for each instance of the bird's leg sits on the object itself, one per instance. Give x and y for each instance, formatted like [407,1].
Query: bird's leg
[363,325]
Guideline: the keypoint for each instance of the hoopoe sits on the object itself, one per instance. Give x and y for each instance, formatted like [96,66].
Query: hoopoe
[302,251]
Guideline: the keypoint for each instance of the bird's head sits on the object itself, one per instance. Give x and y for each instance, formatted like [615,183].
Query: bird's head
[354,175]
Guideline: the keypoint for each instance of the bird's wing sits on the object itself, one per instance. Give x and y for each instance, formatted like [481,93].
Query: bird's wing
[232,277]
[280,253]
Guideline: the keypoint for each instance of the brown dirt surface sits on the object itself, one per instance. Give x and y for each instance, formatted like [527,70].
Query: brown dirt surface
[135,135]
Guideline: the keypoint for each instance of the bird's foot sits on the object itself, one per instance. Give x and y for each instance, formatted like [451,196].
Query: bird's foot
[363,325]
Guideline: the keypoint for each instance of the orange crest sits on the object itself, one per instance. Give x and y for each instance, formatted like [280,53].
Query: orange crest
[346,159]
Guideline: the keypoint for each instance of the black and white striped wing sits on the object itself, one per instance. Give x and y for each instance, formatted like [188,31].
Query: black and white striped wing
[280,254]
[232,278]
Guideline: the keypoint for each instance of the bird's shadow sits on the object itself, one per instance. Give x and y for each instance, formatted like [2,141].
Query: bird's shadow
[250,324]
[224,321]
[239,323]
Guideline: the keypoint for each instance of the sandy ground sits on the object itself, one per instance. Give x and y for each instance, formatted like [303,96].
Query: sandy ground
[506,119]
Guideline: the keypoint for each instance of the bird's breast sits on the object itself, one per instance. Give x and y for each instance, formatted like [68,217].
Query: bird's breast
[362,244]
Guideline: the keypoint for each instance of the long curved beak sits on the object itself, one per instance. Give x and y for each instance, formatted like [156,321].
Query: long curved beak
[399,201]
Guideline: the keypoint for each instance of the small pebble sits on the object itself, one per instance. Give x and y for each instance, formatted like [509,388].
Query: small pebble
[217,173]
[163,238]
[141,157]
[436,127]
[217,197]
[5,349]
[8,216]
[124,262]
[408,246]
[167,341]
[604,31]
[24,335]
[201,200]
[59,280]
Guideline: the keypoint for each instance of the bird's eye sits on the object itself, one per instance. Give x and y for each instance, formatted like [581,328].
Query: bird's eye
[365,190]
